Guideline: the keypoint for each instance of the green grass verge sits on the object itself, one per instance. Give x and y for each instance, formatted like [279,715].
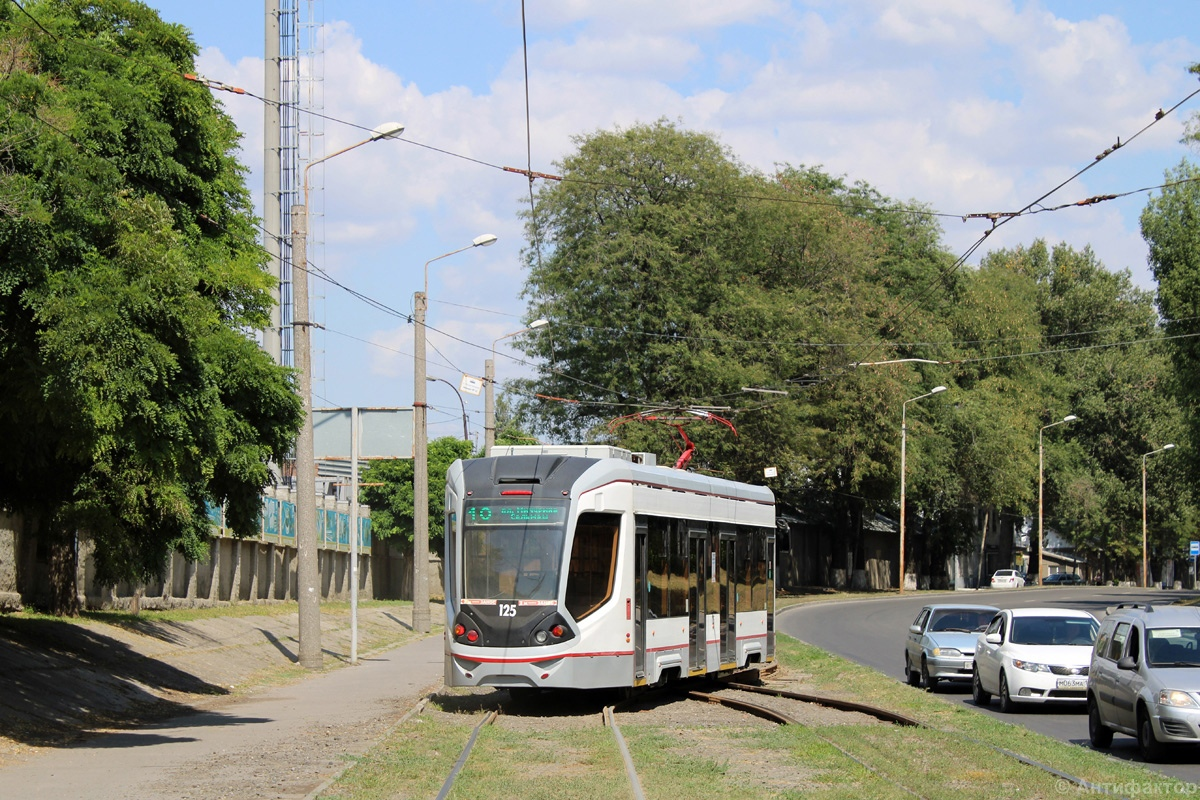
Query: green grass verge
[953,758]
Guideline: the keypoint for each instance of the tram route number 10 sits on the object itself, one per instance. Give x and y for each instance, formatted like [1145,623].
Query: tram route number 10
[508,609]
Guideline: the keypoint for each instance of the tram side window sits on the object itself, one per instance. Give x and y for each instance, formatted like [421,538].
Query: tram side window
[679,569]
[593,563]
[658,567]
[666,567]
[769,565]
[758,569]
[744,569]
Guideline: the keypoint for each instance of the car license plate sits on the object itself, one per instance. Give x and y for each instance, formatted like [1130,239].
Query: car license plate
[1072,683]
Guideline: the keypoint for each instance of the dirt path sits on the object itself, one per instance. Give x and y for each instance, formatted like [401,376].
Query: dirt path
[75,695]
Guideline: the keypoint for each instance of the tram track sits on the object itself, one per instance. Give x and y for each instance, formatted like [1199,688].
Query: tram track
[606,719]
[887,715]
[664,708]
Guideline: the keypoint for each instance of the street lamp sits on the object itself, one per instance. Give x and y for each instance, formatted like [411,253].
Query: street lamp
[1145,555]
[489,388]
[420,449]
[1041,482]
[308,593]
[466,437]
[903,459]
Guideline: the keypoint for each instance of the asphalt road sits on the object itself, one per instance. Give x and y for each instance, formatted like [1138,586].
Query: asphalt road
[872,633]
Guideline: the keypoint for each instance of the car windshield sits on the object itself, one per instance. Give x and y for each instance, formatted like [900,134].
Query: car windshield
[1054,631]
[1173,647]
[965,620]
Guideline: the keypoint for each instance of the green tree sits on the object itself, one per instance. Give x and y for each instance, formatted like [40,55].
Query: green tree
[387,487]
[675,277]
[1103,360]
[512,421]
[129,277]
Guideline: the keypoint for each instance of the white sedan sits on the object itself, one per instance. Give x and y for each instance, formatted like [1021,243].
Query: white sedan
[1034,655]
[1007,579]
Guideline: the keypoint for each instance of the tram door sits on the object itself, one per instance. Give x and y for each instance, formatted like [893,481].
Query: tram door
[727,578]
[697,572]
[639,600]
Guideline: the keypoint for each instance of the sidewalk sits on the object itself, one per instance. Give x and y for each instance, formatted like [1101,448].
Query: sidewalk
[281,743]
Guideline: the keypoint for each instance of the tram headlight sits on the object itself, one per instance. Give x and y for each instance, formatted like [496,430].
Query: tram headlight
[540,637]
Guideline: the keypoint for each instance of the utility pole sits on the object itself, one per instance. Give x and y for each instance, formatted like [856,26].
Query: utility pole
[307,592]
[420,475]
[489,405]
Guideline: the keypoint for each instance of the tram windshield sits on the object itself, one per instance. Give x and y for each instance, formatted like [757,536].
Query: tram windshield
[512,548]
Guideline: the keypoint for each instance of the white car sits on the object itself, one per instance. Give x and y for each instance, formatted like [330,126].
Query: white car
[1007,579]
[1034,655]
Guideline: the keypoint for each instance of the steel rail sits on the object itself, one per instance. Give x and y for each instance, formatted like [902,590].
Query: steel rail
[488,719]
[784,719]
[635,785]
[900,719]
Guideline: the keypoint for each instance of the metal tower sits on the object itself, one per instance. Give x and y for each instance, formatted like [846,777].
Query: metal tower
[294,88]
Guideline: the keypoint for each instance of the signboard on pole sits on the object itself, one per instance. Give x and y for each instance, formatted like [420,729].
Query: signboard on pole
[383,432]
[471,385]
[356,433]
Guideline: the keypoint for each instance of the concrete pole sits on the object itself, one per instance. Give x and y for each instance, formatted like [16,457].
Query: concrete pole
[354,535]
[1041,484]
[1069,418]
[903,472]
[489,405]
[420,474]
[307,578]
[904,467]
[489,379]
[1145,551]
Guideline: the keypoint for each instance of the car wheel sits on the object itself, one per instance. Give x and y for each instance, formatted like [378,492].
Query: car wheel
[931,683]
[1100,734]
[980,697]
[1152,749]
[1006,702]
[914,677]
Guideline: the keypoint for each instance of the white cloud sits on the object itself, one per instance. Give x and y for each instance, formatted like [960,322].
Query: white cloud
[661,15]
[969,107]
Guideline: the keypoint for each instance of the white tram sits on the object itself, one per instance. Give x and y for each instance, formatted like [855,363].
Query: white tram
[586,567]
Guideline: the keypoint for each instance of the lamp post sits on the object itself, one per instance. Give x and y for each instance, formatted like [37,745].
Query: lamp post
[903,466]
[1041,483]
[1145,553]
[466,437]
[489,386]
[307,590]
[420,449]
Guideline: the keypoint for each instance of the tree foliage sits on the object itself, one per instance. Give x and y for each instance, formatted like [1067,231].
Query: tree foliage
[675,276]
[387,487]
[129,278]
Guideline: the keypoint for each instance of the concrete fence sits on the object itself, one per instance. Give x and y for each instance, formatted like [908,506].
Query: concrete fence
[258,569]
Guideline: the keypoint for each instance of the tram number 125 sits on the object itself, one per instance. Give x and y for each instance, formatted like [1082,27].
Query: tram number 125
[508,609]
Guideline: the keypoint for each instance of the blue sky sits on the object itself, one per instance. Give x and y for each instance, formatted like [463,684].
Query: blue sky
[966,106]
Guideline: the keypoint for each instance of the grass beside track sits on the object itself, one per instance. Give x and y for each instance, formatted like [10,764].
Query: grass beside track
[954,759]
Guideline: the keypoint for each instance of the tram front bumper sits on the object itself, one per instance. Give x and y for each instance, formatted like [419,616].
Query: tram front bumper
[545,672]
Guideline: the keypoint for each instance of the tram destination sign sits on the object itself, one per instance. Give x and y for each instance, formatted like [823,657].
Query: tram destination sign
[514,511]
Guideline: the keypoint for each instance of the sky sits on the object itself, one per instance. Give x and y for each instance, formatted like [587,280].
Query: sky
[968,107]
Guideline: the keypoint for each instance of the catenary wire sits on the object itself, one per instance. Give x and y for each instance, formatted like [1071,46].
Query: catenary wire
[997,219]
